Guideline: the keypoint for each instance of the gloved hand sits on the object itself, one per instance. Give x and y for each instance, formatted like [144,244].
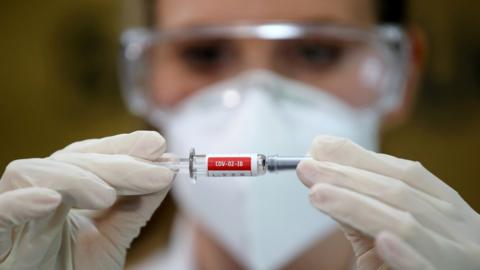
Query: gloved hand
[395,213]
[81,207]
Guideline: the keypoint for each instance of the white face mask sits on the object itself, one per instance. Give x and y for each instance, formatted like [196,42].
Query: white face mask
[263,222]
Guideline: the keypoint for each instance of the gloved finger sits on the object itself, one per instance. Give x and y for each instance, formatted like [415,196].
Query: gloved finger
[429,211]
[20,206]
[371,216]
[363,248]
[79,188]
[127,175]
[125,219]
[149,145]
[398,254]
[345,152]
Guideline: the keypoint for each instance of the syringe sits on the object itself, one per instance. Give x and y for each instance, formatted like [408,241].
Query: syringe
[231,165]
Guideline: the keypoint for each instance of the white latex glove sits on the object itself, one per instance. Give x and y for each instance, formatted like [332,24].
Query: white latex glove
[395,213]
[81,207]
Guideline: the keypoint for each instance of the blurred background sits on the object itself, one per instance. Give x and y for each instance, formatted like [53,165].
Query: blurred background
[58,84]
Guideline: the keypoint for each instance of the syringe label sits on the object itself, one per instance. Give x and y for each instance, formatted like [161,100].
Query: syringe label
[229,163]
[229,166]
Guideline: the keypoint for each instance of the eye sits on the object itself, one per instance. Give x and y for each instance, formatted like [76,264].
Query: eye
[314,54]
[205,56]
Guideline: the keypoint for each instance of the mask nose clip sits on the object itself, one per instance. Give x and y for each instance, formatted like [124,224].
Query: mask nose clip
[231,98]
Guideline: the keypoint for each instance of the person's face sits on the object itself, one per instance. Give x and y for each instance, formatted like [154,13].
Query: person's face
[175,82]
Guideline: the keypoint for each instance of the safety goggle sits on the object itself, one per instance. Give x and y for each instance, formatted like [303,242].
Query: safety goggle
[365,68]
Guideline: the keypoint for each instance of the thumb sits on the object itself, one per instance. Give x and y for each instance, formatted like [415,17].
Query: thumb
[398,254]
[20,206]
[120,224]
[363,247]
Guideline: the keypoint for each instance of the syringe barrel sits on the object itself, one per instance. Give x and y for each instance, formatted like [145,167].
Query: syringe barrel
[226,165]
[231,165]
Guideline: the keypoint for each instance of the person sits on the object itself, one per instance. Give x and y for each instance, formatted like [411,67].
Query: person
[252,76]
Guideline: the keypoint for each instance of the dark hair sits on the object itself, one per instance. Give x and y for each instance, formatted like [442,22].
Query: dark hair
[392,11]
[389,11]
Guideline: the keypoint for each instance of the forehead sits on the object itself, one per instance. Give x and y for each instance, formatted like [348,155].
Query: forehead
[185,13]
